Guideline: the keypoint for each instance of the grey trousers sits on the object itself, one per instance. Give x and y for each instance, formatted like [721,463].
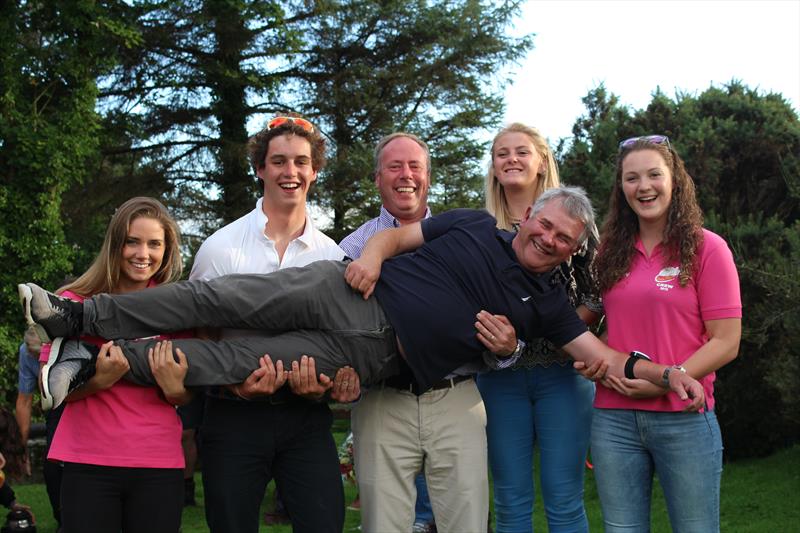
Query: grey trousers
[298,311]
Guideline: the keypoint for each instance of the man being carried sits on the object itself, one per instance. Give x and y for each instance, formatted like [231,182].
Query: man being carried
[422,321]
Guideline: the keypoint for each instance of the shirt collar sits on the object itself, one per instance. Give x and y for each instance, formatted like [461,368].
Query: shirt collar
[260,222]
[640,248]
[388,220]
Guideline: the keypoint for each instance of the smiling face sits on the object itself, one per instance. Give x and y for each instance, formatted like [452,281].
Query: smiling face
[546,239]
[647,186]
[515,161]
[142,254]
[287,172]
[403,179]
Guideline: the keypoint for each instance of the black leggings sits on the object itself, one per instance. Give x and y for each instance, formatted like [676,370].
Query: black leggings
[110,499]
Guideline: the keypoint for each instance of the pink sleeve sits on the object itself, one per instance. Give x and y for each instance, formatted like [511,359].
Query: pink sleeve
[718,281]
[44,353]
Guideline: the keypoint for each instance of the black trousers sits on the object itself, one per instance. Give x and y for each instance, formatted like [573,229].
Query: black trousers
[53,470]
[110,499]
[246,444]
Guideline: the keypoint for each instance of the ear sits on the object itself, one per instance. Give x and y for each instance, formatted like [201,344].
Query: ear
[528,213]
[313,177]
[377,179]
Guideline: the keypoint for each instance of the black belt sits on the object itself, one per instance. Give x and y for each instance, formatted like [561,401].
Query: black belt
[404,384]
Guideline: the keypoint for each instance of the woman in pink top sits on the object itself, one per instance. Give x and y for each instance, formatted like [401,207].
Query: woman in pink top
[670,290]
[121,443]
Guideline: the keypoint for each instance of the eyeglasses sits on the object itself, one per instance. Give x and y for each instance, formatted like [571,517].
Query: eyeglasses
[652,139]
[277,122]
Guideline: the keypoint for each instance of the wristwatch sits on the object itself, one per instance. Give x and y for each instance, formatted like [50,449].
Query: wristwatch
[668,371]
[518,350]
[633,357]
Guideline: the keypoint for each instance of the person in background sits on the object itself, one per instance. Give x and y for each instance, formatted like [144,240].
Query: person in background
[119,442]
[541,400]
[27,384]
[670,288]
[12,461]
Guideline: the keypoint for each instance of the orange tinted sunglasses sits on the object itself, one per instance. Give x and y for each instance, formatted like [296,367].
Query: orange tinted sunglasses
[280,121]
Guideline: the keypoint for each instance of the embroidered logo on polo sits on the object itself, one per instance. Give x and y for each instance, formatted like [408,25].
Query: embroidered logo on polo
[525,298]
[665,279]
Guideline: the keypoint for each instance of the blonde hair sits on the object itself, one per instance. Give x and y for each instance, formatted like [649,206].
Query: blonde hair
[496,202]
[103,274]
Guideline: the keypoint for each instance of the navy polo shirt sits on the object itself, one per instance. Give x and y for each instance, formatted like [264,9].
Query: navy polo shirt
[432,295]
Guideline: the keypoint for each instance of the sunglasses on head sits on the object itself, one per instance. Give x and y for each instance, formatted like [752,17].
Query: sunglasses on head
[652,139]
[280,121]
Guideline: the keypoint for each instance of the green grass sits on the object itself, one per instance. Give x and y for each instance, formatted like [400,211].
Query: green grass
[758,495]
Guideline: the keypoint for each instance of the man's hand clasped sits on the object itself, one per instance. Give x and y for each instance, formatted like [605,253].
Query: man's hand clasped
[362,275]
[496,333]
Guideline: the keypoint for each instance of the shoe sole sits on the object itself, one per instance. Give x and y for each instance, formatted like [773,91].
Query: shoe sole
[25,298]
[47,397]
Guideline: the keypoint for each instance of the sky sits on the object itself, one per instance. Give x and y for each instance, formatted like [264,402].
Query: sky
[632,47]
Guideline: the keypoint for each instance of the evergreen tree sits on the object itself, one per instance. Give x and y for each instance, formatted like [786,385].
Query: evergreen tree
[52,53]
[208,70]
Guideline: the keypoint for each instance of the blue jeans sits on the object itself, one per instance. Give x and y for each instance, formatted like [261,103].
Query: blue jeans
[550,406]
[423,512]
[684,449]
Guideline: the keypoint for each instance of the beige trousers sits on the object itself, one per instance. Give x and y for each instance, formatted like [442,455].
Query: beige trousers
[397,435]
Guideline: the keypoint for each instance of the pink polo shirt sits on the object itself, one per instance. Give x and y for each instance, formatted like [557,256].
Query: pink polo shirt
[648,310]
[126,425]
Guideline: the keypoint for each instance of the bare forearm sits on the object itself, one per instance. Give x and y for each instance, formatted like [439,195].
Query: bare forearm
[722,347]
[93,386]
[395,241]
[181,397]
[588,349]
[23,415]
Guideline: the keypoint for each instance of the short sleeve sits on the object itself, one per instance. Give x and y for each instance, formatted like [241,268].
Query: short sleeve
[717,282]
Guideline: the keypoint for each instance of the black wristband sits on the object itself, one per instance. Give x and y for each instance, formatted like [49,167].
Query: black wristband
[632,359]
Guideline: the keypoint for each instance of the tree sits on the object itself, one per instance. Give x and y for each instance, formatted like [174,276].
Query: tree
[52,53]
[743,150]
[206,69]
[371,68]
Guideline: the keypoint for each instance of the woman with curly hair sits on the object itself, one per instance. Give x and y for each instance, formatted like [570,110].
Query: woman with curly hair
[541,400]
[670,289]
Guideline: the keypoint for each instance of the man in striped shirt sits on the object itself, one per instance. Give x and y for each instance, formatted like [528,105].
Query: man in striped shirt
[396,433]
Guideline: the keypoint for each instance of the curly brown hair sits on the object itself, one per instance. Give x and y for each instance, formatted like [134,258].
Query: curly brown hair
[259,143]
[682,232]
